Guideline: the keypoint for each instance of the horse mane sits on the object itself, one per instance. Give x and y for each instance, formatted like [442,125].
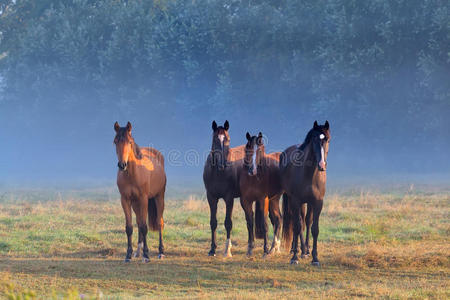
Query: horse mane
[307,140]
[137,150]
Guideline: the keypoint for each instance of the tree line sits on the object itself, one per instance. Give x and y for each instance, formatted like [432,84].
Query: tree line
[379,68]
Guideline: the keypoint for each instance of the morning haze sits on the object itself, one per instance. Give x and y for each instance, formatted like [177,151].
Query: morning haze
[69,70]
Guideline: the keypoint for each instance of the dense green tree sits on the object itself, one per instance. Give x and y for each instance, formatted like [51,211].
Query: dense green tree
[378,68]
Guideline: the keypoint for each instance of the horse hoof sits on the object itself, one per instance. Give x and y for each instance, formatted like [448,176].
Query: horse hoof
[136,254]
[294,261]
[161,256]
[227,255]
[273,250]
[127,260]
[211,253]
[315,263]
[145,260]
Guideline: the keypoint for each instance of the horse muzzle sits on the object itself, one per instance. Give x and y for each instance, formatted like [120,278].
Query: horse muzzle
[122,166]
[322,166]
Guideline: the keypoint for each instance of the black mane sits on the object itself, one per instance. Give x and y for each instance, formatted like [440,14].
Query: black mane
[307,139]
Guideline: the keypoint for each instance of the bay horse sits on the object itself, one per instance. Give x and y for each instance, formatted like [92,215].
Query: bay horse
[259,182]
[141,180]
[221,179]
[303,179]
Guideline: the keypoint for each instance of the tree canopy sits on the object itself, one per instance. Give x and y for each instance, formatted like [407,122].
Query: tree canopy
[378,69]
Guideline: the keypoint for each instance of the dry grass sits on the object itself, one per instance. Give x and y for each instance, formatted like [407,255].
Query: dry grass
[383,245]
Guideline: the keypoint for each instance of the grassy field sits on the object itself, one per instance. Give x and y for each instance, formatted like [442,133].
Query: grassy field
[372,243]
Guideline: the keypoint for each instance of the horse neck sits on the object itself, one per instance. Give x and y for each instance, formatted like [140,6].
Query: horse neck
[132,162]
[264,161]
[224,154]
[310,165]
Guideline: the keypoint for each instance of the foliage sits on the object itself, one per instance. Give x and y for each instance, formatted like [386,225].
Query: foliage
[376,68]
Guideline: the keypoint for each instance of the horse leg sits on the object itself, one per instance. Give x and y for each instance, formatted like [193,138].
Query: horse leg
[297,227]
[141,210]
[317,208]
[302,229]
[308,220]
[126,205]
[140,245]
[212,201]
[302,226]
[249,217]
[275,218]
[229,202]
[263,206]
[159,216]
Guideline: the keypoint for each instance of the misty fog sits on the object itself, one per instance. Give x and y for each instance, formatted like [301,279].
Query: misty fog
[71,69]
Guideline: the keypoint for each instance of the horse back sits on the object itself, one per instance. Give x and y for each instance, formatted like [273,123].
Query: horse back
[236,154]
[274,183]
[153,154]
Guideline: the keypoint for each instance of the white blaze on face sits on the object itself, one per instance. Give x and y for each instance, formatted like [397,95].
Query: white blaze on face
[255,148]
[322,153]
[221,138]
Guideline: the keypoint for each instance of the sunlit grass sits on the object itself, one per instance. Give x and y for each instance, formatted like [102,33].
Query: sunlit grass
[371,244]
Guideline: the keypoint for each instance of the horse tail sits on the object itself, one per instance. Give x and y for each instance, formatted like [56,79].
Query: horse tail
[152,215]
[259,221]
[288,223]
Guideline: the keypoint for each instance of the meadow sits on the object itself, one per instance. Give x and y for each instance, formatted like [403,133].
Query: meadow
[382,243]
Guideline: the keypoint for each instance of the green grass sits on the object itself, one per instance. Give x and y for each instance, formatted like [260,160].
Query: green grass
[371,244]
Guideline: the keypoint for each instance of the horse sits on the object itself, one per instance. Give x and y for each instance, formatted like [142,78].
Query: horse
[306,221]
[141,180]
[303,179]
[221,179]
[259,182]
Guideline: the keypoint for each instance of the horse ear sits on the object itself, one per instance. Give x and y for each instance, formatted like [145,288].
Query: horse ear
[116,126]
[214,125]
[248,136]
[260,139]
[129,126]
[315,124]
[226,125]
[327,125]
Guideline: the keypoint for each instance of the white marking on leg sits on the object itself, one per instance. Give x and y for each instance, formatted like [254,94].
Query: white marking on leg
[227,252]
[277,245]
[139,248]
